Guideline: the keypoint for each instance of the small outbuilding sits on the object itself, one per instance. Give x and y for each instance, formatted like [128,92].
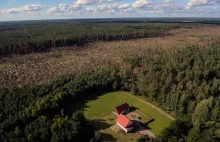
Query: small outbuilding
[124,108]
[125,123]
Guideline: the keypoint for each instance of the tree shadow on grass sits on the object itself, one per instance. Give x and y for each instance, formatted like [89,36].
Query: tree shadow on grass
[105,137]
[79,103]
[109,137]
[100,124]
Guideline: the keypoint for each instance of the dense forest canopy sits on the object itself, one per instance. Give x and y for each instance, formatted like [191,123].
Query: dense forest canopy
[183,81]
[39,36]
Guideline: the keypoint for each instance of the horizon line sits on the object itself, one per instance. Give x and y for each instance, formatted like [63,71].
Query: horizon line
[110,18]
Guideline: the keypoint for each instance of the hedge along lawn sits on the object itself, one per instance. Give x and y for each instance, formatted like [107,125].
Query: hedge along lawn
[105,104]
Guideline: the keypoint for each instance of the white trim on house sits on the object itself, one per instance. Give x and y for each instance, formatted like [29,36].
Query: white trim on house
[115,113]
[126,130]
[122,127]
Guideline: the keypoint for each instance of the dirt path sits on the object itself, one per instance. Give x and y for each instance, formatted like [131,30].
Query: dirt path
[153,106]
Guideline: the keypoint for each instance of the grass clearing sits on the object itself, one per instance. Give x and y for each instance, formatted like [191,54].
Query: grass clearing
[104,104]
[94,107]
[143,118]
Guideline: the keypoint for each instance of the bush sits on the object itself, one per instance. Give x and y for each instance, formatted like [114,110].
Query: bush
[134,90]
[115,85]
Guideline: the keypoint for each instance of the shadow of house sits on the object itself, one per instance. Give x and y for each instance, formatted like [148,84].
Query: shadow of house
[138,124]
[146,123]
[145,126]
[132,108]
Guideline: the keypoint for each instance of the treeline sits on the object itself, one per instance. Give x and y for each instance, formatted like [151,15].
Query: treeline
[185,81]
[41,46]
[27,38]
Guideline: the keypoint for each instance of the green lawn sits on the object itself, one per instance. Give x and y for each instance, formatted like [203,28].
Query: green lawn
[143,118]
[105,103]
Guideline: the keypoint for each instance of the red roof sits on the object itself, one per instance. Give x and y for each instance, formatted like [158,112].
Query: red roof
[122,108]
[123,120]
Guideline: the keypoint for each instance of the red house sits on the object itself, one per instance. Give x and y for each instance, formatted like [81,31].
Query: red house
[125,123]
[121,109]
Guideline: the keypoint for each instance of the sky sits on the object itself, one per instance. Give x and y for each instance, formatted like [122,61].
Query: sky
[11,10]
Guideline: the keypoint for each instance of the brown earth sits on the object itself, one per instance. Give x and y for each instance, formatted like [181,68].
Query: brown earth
[38,68]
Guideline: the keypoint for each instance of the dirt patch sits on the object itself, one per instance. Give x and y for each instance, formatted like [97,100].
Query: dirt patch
[134,116]
[143,131]
[117,129]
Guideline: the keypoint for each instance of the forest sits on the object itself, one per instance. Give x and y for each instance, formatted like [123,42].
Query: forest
[22,37]
[183,81]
